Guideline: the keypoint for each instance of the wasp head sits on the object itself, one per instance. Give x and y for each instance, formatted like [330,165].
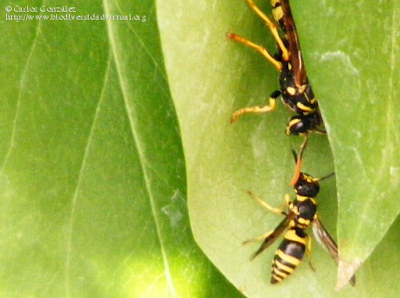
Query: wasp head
[307,186]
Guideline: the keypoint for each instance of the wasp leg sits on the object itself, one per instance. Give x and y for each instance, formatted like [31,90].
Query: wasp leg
[263,51]
[303,147]
[272,27]
[259,238]
[320,131]
[270,237]
[258,109]
[267,206]
[308,251]
[287,200]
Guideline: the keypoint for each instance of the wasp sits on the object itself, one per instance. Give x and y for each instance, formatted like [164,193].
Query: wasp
[295,89]
[302,213]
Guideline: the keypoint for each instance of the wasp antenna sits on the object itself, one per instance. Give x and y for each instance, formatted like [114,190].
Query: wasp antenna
[297,173]
[298,160]
[325,177]
[294,155]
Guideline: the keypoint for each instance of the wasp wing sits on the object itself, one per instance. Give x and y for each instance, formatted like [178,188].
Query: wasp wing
[327,242]
[296,59]
[283,226]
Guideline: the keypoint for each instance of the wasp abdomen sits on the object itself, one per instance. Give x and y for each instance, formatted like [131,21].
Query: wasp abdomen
[289,254]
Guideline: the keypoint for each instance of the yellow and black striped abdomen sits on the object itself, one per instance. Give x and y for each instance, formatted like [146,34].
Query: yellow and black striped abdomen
[289,254]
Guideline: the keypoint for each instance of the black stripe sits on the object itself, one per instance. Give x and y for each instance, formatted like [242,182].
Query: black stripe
[277,4]
[283,262]
[284,272]
[293,248]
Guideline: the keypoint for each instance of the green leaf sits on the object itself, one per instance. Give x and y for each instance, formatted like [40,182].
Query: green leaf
[358,66]
[93,185]
[347,54]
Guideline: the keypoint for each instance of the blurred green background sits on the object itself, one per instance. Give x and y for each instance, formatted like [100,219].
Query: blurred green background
[115,132]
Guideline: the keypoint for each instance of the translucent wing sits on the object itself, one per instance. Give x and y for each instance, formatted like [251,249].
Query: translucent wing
[296,59]
[275,234]
[327,242]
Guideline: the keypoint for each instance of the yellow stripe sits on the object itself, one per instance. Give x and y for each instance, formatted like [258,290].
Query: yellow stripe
[278,278]
[274,2]
[279,274]
[287,258]
[301,226]
[309,178]
[277,13]
[301,198]
[304,108]
[303,221]
[302,89]
[283,267]
[291,90]
[292,236]
[293,122]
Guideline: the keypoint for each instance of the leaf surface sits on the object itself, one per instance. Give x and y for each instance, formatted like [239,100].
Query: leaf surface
[93,185]
[348,58]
